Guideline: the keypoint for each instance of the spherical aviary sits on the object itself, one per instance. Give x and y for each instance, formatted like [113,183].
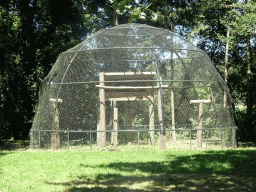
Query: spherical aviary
[130,87]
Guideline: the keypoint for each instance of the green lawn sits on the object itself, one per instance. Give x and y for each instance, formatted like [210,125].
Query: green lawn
[74,170]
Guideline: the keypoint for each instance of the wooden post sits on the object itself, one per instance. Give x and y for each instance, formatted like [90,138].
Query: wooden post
[151,121]
[129,121]
[115,133]
[200,123]
[200,126]
[172,96]
[101,135]
[162,136]
[173,116]
[112,106]
[55,136]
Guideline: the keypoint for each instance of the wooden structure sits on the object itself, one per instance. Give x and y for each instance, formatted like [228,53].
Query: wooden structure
[55,136]
[126,86]
[115,126]
[200,120]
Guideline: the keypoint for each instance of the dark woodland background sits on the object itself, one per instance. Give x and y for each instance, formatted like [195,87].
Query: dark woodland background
[34,32]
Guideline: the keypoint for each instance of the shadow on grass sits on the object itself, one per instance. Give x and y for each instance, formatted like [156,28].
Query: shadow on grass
[10,145]
[2,153]
[208,170]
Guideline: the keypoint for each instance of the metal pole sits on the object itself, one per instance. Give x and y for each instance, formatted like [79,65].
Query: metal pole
[190,137]
[233,138]
[90,140]
[32,140]
[214,137]
[138,138]
[222,135]
[39,142]
[68,139]
[115,128]
[206,137]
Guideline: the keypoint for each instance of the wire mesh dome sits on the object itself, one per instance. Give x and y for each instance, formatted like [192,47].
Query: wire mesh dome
[132,86]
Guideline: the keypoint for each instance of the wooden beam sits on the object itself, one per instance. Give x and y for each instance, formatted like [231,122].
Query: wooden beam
[127,96]
[199,101]
[129,87]
[54,100]
[129,73]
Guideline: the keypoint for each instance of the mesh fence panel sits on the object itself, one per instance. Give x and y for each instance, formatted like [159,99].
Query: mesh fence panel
[133,85]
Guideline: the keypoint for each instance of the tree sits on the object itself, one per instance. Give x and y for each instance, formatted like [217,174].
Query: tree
[32,34]
[230,25]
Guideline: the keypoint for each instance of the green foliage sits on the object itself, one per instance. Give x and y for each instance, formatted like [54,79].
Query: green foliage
[32,35]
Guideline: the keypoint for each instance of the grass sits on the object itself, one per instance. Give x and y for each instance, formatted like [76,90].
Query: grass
[76,170]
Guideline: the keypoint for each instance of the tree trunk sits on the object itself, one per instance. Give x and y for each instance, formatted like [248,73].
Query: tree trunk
[248,126]
[226,79]
[115,18]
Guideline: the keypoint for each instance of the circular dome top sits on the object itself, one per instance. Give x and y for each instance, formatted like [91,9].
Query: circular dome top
[131,48]
[140,36]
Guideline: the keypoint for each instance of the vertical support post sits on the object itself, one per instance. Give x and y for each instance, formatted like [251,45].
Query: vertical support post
[206,138]
[115,133]
[101,128]
[129,121]
[190,134]
[39,142]
[68,139]
[222,138]
[151,121]
[112,106]
[138,139]
[55,134]
[32,139]
[200,126]
[56,125]
[172,96]
[90,139]
[162,136]
[173,117]
[233,139]
[200,123]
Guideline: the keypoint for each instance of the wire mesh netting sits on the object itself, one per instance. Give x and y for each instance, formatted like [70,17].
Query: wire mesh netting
[133,86]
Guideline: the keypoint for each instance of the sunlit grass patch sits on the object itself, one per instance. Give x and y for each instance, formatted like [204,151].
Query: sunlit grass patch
[78,170]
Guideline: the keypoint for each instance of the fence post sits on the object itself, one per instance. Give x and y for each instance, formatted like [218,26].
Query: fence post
[32,139]
[90,139]
[68,139]
[39,142]
[115,139]
[222,137]
[190,136]
[233,139]
[138,138]
[151,122]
